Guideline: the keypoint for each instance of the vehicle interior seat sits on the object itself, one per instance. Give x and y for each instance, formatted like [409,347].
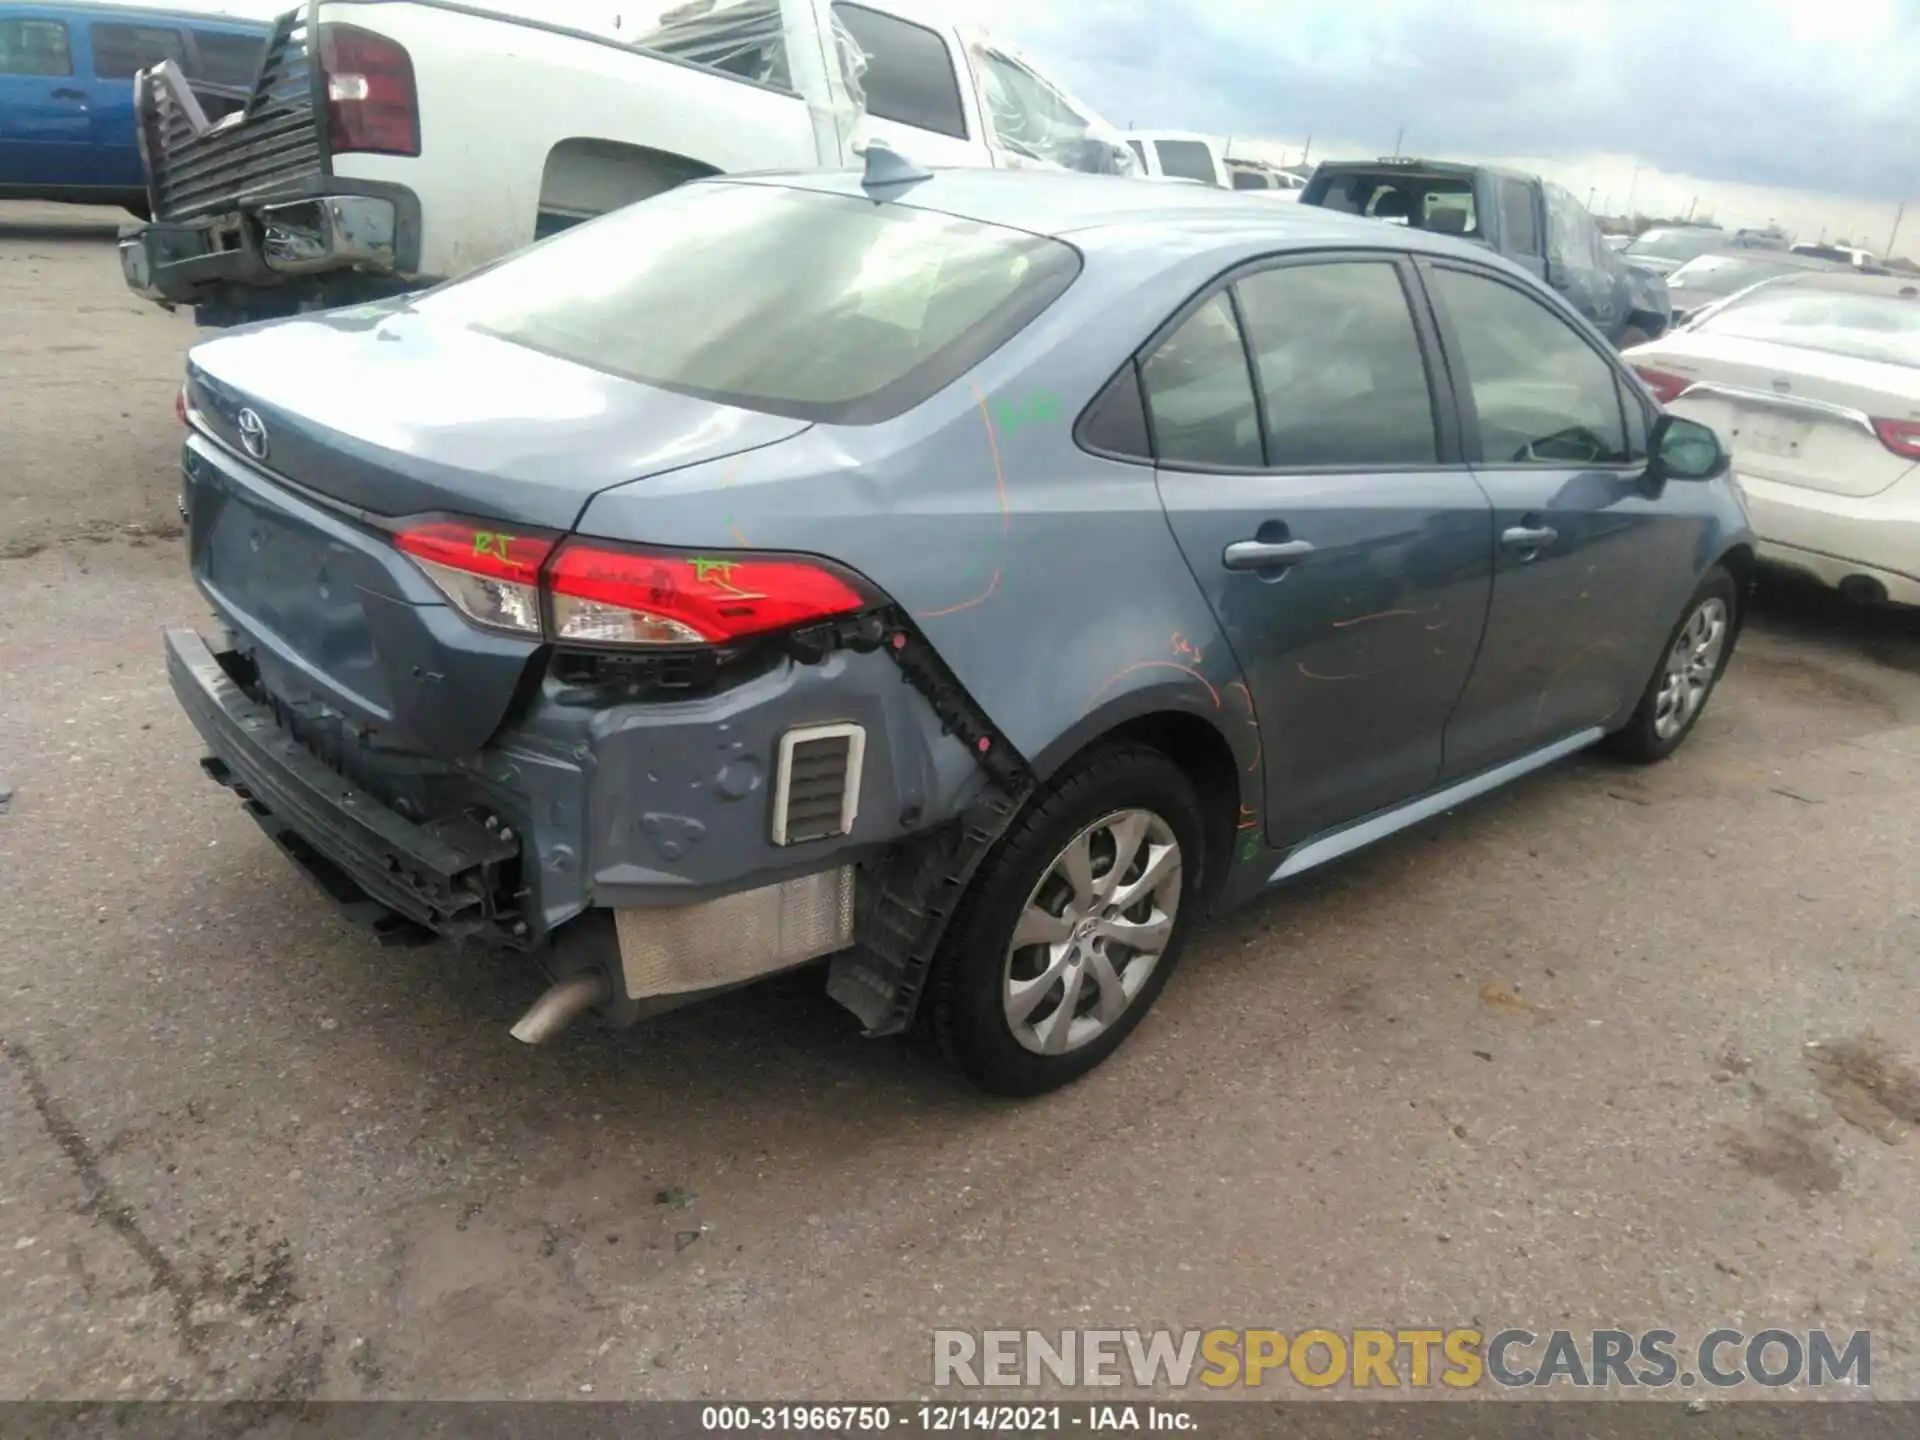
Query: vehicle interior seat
[1392,205]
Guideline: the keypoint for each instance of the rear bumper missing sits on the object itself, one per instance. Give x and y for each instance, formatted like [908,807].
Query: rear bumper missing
[450,876]
[475,872]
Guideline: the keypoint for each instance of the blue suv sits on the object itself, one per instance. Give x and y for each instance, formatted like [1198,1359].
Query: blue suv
[66,92]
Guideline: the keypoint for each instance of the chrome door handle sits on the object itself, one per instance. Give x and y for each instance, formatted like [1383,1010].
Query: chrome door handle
[1265,554]
[1528,537]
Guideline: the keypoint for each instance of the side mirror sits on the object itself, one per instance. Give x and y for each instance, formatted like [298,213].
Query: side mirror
[1684,450]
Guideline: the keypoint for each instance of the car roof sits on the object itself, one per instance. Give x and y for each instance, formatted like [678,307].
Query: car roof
[1091,210]
[255,16]
[1415,165]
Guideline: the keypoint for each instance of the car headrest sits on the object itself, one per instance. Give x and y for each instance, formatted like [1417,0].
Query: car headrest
[1449,220]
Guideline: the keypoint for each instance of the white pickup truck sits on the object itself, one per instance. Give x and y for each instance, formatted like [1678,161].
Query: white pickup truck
[392,144]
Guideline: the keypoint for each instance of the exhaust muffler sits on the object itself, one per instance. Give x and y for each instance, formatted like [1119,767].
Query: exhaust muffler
[564,1002]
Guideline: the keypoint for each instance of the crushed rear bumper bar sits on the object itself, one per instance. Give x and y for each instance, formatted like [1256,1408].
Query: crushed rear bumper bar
[445,876]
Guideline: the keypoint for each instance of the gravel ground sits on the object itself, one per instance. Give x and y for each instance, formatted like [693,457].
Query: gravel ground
[1542,1064]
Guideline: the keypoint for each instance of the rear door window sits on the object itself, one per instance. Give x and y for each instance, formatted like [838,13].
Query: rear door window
[121,51]
[909,76]
[1187,158]
[227,59]
[1200,393]
[1340,367]
[788,301]
[34,47]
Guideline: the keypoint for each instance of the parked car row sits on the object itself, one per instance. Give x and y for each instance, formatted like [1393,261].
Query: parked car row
[307,201]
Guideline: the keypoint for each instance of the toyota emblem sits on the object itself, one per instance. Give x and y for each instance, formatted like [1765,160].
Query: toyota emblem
[253,434]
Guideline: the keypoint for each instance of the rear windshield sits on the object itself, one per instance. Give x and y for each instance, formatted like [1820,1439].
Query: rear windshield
[1866,327]
[798,303]
[1425,202]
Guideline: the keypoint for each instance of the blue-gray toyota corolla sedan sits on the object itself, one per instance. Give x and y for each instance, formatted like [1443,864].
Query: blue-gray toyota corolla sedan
[968,580]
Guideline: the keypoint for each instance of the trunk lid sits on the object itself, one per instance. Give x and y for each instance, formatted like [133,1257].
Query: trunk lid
[356,418]
[1799,417]
[382,410]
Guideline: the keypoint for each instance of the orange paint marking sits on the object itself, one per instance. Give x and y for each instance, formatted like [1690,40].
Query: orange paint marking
[993,584]
[999,473]
[1120,675]
[1253,722]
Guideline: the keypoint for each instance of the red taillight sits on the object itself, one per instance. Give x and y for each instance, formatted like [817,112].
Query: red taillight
[372,104]
[1900,436]
[492,576]
[1666,388]
[610,595]
[599,593]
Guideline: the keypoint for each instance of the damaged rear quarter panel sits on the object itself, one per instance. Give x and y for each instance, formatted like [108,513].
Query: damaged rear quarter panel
[1047,578]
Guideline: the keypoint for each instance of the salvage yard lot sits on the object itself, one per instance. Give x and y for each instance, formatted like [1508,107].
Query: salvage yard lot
[1543,1064]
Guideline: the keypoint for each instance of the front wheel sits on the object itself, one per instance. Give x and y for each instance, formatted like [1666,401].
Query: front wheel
[1072,926]
[1691,665]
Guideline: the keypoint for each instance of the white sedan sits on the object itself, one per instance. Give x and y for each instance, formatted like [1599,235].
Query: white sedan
[1813,382]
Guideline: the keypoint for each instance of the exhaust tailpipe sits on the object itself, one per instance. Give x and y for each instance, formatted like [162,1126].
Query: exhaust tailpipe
[565,1001]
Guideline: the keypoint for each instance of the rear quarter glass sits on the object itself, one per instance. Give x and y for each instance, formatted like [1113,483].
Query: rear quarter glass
[793,302]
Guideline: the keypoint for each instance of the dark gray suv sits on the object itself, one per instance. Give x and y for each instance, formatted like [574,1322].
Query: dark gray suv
[966,580]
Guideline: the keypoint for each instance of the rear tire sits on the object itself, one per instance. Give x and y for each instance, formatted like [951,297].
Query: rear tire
[1691,663]
[1035,982]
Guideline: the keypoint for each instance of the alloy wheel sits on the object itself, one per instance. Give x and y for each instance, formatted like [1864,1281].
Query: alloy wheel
[1092,932]
[1692,664]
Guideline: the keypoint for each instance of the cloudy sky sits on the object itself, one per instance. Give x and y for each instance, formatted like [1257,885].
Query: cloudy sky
[1805,110]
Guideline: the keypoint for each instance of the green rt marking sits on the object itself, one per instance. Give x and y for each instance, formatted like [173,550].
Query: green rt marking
[1250,845]
[1039,407]
[705,569]
[492,542]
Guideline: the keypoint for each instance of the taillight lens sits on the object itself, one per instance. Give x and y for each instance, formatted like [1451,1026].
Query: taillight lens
[373,106]
[1666,388]
[600,593]
[1900,436]
[492,577]
[613,595]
